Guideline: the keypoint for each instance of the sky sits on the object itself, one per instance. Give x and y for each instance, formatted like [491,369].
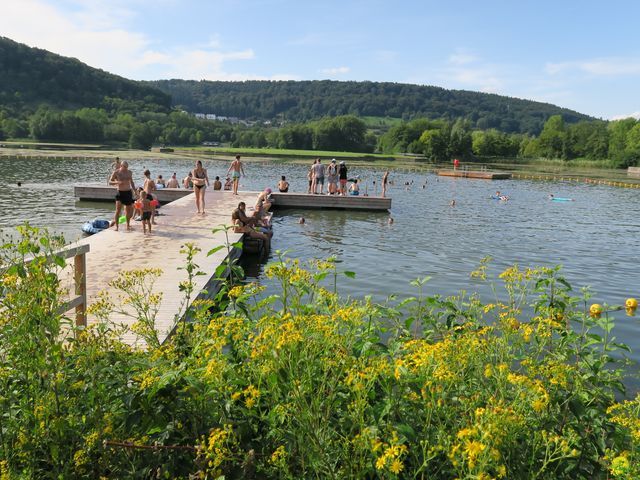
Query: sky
[583,55]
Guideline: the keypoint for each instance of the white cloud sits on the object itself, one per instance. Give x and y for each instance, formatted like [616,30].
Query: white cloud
[599,66]
[635,115]
[96,33]
[467,71]
[335,71]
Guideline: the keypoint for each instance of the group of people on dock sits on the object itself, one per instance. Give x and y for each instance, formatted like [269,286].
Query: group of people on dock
[335,174]
[336,177]
[141,203]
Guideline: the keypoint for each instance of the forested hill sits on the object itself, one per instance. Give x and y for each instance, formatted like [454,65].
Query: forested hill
[306,100]
[31,77]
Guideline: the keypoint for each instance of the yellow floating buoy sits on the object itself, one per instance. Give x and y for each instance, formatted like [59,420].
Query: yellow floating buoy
[595,310]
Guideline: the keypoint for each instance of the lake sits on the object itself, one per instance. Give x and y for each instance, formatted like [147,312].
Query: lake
[596,237]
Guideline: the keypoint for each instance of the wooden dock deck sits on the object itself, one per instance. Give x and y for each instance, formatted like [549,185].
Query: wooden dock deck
[112,252]
[475,174]
[348,202]
[282,200]
[107,193]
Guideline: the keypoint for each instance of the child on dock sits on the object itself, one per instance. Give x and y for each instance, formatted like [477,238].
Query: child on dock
[145,206]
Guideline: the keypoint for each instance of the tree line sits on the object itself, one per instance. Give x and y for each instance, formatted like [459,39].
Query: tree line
[302,101]
[618,142]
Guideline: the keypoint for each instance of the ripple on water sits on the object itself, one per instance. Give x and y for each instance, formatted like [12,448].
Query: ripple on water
[596,237]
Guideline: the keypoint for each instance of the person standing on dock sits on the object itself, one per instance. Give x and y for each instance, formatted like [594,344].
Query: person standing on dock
[342,174]
[236,169]
[318,177]
[385,180]
[332,178]
[150,187]
[200,181]
[123,180]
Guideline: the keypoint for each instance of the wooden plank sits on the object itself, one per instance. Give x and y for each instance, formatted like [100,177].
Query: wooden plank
[115,251]
[107,193]
[80,278]
[347,202]
[633,171]
[475,174]
[281,200]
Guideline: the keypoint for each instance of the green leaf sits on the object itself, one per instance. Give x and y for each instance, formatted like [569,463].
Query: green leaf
[59,261]
[350,274]
[214,250]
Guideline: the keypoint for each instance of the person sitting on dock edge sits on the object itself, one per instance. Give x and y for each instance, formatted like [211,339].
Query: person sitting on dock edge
[283,185]
[187,183]
[354,189]
[173,182]
[243,224]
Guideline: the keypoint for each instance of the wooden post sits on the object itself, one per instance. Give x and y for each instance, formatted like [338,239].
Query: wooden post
[80,276]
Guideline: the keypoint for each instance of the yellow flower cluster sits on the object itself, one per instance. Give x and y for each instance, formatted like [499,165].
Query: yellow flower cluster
[391,454]
[620,466]
[627,415]
[279,456]
[217,448]
[4,470]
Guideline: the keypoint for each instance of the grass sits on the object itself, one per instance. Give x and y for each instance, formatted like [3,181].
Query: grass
[279,152]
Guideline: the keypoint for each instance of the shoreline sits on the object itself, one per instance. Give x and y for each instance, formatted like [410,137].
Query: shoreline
[551,171]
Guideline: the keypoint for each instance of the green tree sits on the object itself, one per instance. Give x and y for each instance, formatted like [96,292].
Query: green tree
[618,131]
[141,137]
[436,144]
[552,138]
[460,141]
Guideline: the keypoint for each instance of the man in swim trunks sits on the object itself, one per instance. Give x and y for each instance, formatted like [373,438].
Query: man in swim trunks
[236,169]
[123,179]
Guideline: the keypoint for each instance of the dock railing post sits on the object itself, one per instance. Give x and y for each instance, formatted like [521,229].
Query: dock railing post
[80,277]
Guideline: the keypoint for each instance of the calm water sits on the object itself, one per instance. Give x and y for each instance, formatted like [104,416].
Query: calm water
[596,237]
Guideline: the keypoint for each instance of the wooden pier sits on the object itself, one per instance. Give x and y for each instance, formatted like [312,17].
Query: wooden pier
[475,174]
[114,251]
[107,193]
[347,202]
[281,200]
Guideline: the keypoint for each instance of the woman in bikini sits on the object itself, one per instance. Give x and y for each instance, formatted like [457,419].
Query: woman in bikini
[200,181]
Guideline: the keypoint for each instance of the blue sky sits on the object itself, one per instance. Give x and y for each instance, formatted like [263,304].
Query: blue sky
[583,55]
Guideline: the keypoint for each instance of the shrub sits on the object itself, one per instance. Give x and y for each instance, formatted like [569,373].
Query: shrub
[306,384]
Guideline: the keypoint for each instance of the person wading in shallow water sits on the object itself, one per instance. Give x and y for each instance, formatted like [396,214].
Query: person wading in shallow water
[123,180]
